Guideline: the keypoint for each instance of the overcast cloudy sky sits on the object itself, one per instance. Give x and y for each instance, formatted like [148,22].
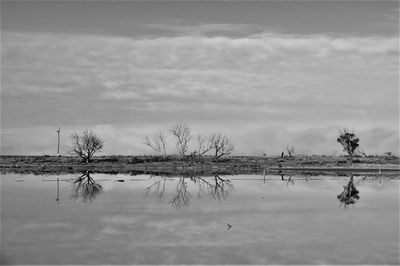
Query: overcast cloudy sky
[267,74]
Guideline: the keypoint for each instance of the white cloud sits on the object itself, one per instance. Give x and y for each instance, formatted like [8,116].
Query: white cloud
[292,81]
[205,29]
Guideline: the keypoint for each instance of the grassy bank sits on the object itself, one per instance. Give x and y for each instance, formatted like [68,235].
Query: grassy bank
[177,164]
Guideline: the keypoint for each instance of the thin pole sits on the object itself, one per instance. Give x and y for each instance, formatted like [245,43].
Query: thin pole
[58,142]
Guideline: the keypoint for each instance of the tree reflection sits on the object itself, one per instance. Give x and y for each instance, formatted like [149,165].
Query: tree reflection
[219,189]
[157,189]
[182,195]
[290,181]
[85,187]
[216,187]
[349,194]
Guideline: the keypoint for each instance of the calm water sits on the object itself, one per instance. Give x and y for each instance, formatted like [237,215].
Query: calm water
[208,220]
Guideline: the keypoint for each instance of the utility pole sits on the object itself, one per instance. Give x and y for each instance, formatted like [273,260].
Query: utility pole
[58,142]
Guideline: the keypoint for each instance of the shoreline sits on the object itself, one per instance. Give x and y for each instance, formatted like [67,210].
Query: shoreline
[313,164]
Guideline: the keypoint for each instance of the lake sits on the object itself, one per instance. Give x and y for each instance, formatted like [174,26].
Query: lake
[242,219]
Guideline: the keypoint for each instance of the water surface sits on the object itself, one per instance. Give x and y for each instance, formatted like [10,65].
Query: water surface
[244,219]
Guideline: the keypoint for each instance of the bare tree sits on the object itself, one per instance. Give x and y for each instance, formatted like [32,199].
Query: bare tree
[86,145]
[157,143]
[349,141]
[205,145]
[221,144]
[181,131]
[290,150]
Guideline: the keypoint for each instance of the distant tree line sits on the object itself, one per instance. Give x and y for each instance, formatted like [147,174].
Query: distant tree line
[85,145]
[181,133]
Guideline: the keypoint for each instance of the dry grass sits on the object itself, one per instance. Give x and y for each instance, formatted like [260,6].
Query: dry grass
[174,163]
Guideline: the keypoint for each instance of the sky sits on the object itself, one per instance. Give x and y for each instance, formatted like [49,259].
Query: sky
[267,74]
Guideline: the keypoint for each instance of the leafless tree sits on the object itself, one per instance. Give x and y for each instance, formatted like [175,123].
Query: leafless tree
[158,143]
[205,145]
[290,150]
[221,144]
[86,145]
[181,131]
[85,187]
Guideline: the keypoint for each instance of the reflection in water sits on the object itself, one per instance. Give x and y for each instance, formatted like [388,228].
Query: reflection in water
[157,189]
[216,187]
[85,187]
[182,195]
[290,181]
[250,230]
[58,190]
[349,194]
[180,190]
[218,190]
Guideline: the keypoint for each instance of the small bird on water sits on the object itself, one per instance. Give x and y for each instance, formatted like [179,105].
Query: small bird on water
[228,226]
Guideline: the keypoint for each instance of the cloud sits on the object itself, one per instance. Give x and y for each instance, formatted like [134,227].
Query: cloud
[291,81]
[206,29]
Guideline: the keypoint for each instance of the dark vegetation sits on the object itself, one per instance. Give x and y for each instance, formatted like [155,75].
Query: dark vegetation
[179,164]
[349,141]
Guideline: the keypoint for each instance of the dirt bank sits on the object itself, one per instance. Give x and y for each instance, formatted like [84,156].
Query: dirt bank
[176,164]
